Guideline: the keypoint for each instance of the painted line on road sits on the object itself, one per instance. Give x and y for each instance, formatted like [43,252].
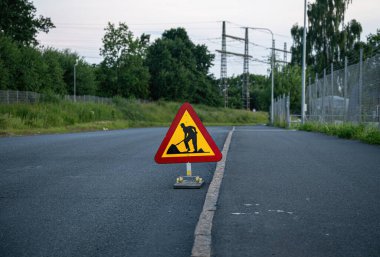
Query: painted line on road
[202,234]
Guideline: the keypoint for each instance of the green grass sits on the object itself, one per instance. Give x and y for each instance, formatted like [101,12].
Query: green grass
[63,116]
[367,134]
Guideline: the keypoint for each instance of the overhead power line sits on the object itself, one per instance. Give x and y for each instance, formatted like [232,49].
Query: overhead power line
[232,53]
[246,59]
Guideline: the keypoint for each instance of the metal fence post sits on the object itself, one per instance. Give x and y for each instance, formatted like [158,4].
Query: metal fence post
[283,107]
[288,111]
[332,94]
[309,108]
[345,89]
[316,95]
[360,84]
[323,95]
[274,110]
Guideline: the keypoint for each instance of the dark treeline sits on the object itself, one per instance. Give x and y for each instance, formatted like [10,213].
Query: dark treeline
[43,70]
[170,68]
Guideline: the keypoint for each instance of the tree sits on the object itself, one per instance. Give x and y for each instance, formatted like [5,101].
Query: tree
[235,85]
[53,81]
[373,44]
[288,81]
[373,40]
[9,58]
[179,69]
[260,92]
[24,68]
[296,49]
[259,88]
[329,39]
[86,83]
[18,21]
[43,70]
[4,76]
[122,71]
[30,70]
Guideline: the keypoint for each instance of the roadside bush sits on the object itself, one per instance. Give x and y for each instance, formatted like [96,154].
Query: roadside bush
[307,127]
[369,135]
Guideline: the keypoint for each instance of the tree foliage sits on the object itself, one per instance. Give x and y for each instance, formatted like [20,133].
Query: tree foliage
[259,88]
[372,46]
[288,82]
[179,69]
[27,68]
[19,22]
[329,39]
[123,71]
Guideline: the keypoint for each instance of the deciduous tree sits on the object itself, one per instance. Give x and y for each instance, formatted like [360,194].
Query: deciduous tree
[329,38]
[122,71]
[179,69]
[18,21]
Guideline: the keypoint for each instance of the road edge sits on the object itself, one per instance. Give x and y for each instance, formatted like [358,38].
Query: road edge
[202,234]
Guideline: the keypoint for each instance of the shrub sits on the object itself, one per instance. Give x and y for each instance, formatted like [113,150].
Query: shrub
[369,135]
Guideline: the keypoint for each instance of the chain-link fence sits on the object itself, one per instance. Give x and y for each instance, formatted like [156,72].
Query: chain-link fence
[88,98]
[281,111]
[351,94]
[11,97]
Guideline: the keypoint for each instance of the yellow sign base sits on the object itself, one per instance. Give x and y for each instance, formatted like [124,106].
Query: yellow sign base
[189,182]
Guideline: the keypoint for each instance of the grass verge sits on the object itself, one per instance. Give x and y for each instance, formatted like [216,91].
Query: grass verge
[64,117]
[367,134]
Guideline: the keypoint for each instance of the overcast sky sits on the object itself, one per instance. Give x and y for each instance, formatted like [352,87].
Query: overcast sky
[80,24]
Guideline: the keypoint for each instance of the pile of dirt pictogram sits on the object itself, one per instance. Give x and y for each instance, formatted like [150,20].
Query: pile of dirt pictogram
[173,149]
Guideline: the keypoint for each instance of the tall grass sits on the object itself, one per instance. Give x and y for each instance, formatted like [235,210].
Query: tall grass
[45,115]
[367,134]
[63,116]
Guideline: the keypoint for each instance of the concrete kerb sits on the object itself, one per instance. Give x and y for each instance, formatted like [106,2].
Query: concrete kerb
[202,234]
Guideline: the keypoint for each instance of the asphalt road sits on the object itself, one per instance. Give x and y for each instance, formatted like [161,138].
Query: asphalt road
[284,193]
[292,193]
[96,194]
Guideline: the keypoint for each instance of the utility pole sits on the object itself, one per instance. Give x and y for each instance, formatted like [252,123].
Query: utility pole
[303,67]
[75,80]
[246,70]
[272,71]
[223,66]
[272,89]
[246,56]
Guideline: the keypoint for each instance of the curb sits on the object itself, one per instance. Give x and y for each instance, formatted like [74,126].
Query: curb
[202,234]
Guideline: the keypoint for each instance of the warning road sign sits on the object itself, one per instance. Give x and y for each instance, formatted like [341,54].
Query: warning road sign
[187,140]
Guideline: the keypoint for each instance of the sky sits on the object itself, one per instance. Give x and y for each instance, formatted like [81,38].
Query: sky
[80,24]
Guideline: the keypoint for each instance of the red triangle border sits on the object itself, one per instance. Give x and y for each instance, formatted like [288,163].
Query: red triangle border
[184,159]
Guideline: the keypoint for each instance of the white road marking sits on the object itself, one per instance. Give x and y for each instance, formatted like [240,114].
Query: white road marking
[202,234]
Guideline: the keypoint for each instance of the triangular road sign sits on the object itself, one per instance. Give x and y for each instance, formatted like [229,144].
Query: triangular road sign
[187,140]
